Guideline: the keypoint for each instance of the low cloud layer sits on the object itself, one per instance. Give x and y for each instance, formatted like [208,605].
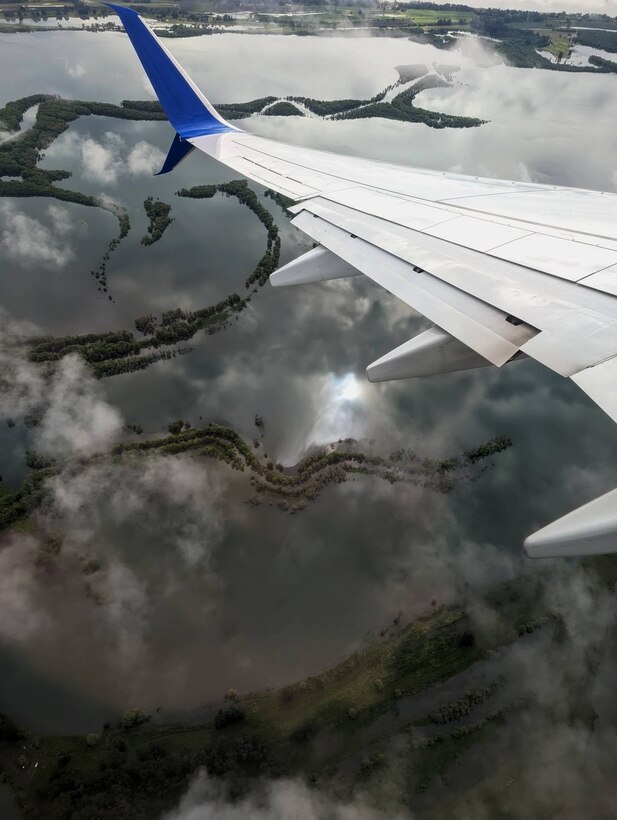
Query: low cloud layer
[66,404]
[280,800]
[76,417]
[136,565]
[22,617]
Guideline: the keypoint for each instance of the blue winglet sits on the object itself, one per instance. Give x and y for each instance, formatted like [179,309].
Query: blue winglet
[178,150]
[187,109]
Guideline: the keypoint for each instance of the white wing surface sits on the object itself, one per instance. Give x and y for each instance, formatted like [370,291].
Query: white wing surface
[502,269]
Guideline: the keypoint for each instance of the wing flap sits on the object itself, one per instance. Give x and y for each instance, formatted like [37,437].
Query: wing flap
[600,384]
[564,309]
[472,321]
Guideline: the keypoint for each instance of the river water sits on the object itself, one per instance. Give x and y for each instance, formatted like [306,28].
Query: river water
[200,591]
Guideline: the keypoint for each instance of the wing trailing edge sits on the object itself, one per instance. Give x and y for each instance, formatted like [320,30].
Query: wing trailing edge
[178,150]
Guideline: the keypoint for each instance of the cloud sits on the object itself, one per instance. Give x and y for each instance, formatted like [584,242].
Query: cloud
[73,416]
[117,512]
[76,419]
[560,765]
[22,616]
[28,241]
[60,217]
[21,383]
[537,129]
[75,70]
[137,565]
[101,160]
[144,159]
[125,608]
[108,160]
[173,498]
[279,800]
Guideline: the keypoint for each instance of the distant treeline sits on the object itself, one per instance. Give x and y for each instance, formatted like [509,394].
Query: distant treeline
[402,108]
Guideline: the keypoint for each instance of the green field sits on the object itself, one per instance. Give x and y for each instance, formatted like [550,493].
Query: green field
[560,45]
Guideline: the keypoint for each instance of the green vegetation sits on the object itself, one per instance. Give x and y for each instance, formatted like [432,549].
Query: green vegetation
[458,709]
[19,158]
[600,62]
[238,111]
[323,728]
[520,33]
[515,34]
[18,505]
[283,108]
[307,479]
[604,40]
[132,718]
[293,486]
[113,353]
[21,176]
[11,115]
[158,214]
[284,202]
[93,347]
[402,108]
[138,768]
[560,45]
[326,108]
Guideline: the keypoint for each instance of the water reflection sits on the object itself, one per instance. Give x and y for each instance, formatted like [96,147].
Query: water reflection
[279,597]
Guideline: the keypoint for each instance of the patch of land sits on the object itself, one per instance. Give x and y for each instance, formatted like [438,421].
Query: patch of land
[159,220]
[292,487]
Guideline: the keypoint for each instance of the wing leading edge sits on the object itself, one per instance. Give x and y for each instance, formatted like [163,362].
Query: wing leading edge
[502,269]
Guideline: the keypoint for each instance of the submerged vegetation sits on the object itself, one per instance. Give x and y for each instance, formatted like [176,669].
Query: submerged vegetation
[293,486]
[401,107]
[22,176]
[113,353]
[158,214]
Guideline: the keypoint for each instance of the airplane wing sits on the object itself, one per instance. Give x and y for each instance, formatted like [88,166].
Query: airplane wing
[502,269]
